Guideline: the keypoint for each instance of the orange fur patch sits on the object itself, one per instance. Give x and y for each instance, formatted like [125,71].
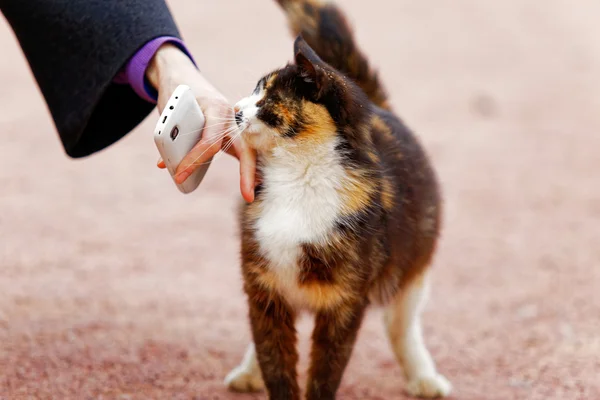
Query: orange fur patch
[270,80]
[387,194]
[286,114]
[320,127]
[323,296]
[373,156]
[378,124]
[316,296]
[356,192]
[267,280]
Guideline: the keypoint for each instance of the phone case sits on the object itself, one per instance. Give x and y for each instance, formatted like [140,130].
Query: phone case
[177,131]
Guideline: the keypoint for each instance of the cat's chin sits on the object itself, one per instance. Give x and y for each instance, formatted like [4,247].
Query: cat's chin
[259,141]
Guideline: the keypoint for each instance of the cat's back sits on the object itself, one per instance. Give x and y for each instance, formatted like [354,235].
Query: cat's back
[410,195]
[397,144]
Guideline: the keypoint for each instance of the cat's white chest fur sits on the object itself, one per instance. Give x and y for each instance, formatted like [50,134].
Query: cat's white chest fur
[300,205]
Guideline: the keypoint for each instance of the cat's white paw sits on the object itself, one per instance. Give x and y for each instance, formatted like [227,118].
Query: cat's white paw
[430,386]
[242,379]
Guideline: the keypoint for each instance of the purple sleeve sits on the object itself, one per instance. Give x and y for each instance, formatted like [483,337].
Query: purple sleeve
[134,72]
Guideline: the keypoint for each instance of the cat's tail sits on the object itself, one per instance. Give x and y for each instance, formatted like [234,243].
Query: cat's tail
[325,28]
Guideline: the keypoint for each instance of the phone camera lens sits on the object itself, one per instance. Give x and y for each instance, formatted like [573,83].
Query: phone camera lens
[174,133]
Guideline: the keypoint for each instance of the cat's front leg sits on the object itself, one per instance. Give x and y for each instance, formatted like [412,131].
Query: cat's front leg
[274,334]
[333,339]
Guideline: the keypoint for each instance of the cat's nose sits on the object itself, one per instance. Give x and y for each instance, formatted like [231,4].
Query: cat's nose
[239,118]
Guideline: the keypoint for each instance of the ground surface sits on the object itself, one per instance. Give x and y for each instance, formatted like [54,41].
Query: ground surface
[115,286]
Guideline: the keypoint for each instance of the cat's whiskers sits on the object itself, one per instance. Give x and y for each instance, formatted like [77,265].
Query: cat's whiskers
[220,118]
[205,127]
[222,135]
[219,138]
[231,143]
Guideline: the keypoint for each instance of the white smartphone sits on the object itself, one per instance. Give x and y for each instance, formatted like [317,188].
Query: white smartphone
[177,131]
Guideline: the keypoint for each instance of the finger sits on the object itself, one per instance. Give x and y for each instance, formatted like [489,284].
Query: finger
[201,153]
[204,150]
[161,164]
[231,147]
[247,170]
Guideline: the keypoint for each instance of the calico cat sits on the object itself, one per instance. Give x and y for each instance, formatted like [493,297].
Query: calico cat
[347,215]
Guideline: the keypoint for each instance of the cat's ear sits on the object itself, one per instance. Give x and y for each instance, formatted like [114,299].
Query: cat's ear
[311,66]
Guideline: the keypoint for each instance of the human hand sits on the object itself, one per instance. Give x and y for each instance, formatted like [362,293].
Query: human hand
[170,68]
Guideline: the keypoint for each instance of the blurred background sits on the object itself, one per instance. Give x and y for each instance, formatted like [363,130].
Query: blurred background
[113,285]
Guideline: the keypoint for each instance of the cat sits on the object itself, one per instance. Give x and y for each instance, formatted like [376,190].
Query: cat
[347,215]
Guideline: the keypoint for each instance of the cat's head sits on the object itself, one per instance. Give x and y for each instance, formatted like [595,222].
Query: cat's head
[307,101]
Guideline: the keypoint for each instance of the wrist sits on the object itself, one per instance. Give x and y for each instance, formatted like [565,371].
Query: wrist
[135,72]
[169,60]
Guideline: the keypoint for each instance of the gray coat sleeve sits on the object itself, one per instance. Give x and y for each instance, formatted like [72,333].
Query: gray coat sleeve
[75,49]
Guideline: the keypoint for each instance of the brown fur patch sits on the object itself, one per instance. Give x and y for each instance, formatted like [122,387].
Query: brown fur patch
[272,322]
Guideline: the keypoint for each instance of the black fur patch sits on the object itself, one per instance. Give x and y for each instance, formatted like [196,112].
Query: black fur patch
[269,117]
